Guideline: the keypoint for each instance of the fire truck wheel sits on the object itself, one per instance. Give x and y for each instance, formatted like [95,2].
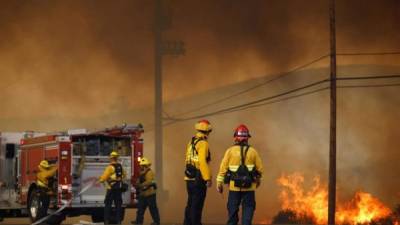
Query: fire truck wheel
[33,205]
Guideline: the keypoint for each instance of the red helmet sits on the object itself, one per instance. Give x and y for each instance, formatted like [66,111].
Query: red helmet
[242,133]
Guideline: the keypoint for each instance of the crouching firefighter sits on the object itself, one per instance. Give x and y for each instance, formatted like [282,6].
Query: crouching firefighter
[197,173]
[242,169]
[146,189]
[44,180]
[112,178]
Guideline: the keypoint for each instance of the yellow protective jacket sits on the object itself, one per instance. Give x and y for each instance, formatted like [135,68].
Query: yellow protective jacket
[43,176]
[232,161]
[145,182]
[109,175]
[199,159]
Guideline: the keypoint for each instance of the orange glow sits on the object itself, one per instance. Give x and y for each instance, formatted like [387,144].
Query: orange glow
[362,208]
[264,221]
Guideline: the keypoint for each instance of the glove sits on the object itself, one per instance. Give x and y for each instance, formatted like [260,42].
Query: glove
[258,182]
[220,188]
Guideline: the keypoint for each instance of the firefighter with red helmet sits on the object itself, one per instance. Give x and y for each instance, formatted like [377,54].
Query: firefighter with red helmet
[146,190]
[113,180]
[241,168]
[44,180]
[197,172]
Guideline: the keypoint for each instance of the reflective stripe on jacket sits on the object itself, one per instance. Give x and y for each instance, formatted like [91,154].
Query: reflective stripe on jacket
[199,159]
[232,161]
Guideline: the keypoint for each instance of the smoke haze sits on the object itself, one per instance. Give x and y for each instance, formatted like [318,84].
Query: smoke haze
[70,64]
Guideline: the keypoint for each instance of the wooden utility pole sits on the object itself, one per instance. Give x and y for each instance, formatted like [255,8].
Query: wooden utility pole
[158,93]
[161,47]
[332,145]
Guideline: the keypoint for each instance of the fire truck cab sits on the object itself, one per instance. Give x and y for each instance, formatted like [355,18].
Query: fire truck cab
[81,158]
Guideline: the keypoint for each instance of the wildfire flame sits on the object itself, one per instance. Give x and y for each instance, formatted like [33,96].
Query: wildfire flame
[362,208]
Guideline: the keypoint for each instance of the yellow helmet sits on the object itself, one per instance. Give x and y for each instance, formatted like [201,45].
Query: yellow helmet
[114,154]
[144,162]
[44,164]
[203,125]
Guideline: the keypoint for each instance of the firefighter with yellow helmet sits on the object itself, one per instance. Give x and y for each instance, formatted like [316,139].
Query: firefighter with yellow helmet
[197,172]
[146,190]
[241,168]
[44,182]
[112,178]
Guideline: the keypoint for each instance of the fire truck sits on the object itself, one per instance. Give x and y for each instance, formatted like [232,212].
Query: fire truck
[80,156]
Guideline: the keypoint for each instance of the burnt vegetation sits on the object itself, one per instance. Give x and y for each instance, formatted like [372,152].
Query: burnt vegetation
[288,216]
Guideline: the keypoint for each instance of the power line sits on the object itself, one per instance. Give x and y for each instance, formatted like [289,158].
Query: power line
[316,91]
[368,53]
[369,77]
[282,75]
[369,86]
[282,99]
[298,96]
[279,76]
[255,102]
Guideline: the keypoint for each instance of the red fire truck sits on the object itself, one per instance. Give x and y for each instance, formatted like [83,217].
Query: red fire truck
[81,158]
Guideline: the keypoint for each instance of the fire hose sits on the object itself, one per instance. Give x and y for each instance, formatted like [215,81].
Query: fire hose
[64,204]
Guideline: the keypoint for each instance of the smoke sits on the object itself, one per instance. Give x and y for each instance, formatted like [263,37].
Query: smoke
[66,64]
[76,58]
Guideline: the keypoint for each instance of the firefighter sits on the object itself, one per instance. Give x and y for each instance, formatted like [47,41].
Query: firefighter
[112,178]
[197,173]
[146,190]
[45,178]
[242,169]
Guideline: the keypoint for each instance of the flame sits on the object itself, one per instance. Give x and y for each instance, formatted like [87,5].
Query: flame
[362,208]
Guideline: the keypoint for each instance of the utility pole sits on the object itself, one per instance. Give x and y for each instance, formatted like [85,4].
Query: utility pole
[158,93]
[332,145]
[161,47]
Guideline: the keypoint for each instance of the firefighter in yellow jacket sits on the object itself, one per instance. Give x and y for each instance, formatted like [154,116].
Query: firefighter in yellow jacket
[44,179]
[146,189]
[197,173]
[112,178]
[242,169]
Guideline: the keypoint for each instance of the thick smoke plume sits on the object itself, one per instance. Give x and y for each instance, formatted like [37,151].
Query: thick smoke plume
[69,64]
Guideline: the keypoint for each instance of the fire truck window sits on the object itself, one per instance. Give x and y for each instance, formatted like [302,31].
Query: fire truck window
[121,145]
[10,151]
[106,147]
[102,146]
[92,147]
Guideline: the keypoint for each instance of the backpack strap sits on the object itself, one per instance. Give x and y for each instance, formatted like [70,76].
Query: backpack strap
[243,156]
[194,143]
[117,166]
[142,176]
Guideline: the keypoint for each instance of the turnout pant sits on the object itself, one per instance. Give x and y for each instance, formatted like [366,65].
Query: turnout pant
[115,196]
[196,191]
[247,200]
[143,203]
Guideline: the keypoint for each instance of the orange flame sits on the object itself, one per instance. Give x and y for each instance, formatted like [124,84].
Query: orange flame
[362,208]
